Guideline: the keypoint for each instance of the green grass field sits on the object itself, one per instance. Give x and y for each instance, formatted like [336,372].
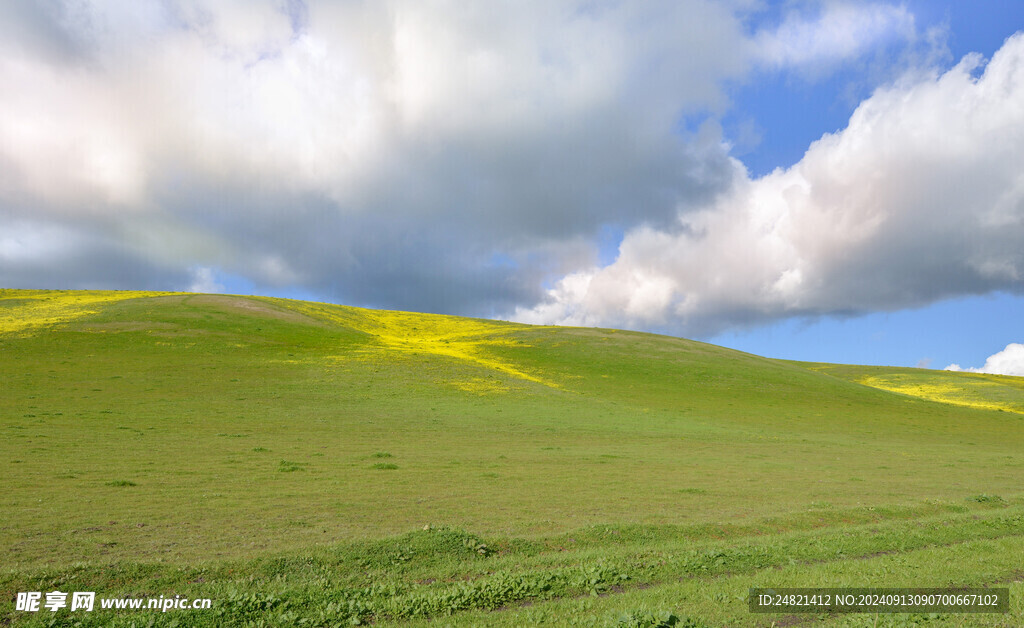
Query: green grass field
[318,465]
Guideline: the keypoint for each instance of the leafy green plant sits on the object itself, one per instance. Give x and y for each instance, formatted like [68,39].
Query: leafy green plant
[648,619]
[477,546]
[985,498]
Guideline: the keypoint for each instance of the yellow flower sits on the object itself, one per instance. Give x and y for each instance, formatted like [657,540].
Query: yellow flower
[24,311]
[463,339]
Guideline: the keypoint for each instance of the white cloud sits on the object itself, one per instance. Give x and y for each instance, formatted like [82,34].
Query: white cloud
[840,31]
[1009,361]
[921,197]
[204,280]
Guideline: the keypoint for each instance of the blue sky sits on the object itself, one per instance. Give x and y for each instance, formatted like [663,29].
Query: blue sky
[822,180]
[791,113]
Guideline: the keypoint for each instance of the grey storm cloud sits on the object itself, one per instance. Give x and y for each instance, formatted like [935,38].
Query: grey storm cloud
[403,154]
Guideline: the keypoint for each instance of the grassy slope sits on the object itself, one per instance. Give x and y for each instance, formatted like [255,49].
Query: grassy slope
[144,435]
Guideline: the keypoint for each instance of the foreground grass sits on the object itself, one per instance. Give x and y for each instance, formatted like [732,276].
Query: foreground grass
[597,576]
[274,455]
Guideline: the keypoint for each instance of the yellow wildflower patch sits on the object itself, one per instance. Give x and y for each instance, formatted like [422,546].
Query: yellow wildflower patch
[971,392]
[463,339]
[24,311]
[480,386]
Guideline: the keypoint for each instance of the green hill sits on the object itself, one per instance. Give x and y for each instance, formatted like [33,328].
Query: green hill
[304,461]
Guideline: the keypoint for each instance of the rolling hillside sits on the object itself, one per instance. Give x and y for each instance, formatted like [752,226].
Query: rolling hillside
[296,460]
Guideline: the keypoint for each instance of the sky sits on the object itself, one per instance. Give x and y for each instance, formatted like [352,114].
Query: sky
[831,180]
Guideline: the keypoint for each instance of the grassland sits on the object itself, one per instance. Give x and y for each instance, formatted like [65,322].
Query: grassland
[312,464]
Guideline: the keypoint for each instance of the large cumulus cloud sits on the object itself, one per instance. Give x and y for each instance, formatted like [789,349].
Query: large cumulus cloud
[919,198]
[427,155]
[460,157]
